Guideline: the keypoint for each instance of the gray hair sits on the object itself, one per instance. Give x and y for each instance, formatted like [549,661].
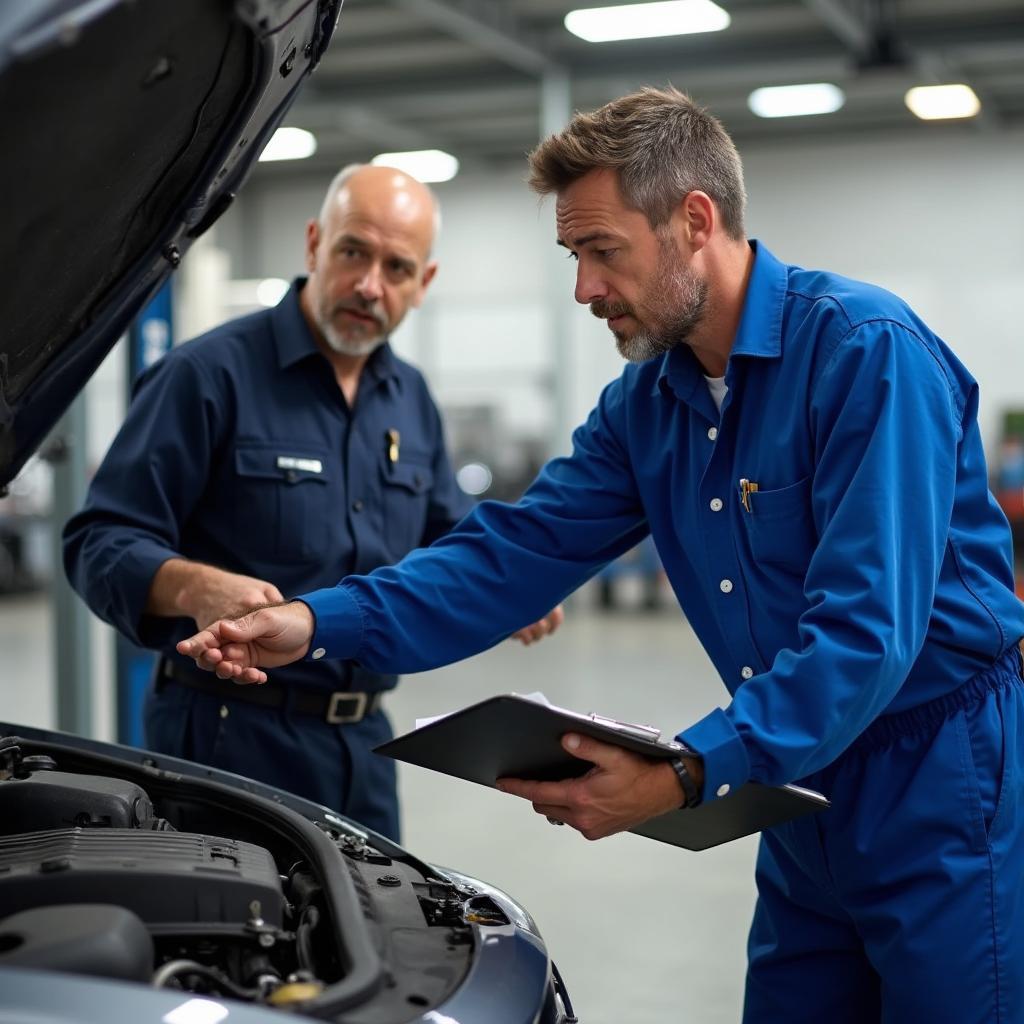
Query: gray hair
[661,145]
[339,180]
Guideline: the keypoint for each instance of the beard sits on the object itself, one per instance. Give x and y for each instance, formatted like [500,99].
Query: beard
[359,340]
[672,308]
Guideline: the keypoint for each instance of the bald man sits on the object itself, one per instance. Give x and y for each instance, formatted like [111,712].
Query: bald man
[272,456]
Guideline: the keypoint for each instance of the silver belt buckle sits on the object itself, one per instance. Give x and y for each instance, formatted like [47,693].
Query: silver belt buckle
[333,718]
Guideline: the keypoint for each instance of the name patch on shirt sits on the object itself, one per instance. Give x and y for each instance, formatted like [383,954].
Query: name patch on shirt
[305,465]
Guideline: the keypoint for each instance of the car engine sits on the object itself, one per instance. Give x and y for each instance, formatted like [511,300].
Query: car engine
[137,872]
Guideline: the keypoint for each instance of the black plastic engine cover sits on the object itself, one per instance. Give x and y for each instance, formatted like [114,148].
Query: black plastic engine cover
[48,800]
[88,938]
[167,878]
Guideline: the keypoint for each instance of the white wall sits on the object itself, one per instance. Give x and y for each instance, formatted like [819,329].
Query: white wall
[937,219]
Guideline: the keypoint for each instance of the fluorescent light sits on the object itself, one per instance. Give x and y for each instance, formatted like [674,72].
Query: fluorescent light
[422,164]
[645,21]
[938,102]
[796,100]
[289,144]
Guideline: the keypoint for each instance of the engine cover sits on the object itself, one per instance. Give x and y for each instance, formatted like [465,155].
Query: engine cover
[166,878]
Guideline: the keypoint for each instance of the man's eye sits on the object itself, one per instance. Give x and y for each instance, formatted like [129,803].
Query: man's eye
[606,254]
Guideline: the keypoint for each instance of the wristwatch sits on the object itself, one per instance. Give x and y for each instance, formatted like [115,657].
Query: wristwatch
[686,781]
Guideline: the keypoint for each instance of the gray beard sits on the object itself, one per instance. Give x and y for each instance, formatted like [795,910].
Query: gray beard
[668,326]
[345,346]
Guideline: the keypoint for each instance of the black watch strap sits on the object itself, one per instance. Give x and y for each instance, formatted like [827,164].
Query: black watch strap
[690,789]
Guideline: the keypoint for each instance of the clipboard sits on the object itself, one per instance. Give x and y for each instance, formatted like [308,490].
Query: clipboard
[519,737]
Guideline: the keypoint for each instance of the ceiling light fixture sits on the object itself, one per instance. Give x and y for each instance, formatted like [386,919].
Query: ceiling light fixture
[646,21]
[422,164]
[796,100]
[942,102]
[289,144]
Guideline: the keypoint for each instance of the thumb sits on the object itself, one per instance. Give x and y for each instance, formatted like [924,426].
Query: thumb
[238,630]
[587,749]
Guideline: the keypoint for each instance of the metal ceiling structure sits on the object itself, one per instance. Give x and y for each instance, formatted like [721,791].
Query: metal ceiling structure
[469,76]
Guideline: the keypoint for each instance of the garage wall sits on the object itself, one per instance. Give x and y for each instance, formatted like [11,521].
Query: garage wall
[937,220]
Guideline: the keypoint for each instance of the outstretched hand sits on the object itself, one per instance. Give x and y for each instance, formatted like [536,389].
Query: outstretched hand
[268,637]
[621,790]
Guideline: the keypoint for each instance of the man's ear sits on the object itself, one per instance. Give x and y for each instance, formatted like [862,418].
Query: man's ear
[312,244]
[697,219]
[428,275]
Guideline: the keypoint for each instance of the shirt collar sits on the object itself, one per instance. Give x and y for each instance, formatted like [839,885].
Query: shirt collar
[294,340]
[759,333]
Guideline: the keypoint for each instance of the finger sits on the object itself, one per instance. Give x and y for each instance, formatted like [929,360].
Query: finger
[195,645]
[209,660]
[562,814]
[273,595]
[251,677]
[537,792]
[555,619]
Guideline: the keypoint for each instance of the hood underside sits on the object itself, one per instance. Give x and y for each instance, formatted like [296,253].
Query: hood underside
[130,125]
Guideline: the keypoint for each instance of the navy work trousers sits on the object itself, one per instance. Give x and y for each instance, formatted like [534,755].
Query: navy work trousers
[904,902]
[331,764]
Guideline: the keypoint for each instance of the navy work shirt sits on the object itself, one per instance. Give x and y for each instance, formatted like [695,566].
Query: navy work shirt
[240,450]
[870,571]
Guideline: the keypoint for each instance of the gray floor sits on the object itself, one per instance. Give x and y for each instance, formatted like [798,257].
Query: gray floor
[642,932]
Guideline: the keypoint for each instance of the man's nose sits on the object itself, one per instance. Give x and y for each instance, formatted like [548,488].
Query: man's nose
[589,286]
[370,285]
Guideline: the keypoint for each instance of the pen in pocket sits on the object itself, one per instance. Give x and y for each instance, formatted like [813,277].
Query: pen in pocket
[747,488]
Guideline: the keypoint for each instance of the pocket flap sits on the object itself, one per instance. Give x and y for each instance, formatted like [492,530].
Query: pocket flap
[410,475]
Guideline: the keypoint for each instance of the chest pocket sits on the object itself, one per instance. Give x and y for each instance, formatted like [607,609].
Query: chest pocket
[780,526]
[283,500]
[406,488]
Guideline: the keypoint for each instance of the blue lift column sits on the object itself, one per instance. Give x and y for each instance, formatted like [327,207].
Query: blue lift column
[149,338]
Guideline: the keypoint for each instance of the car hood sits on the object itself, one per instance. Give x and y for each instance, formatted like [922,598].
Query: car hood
[129,127]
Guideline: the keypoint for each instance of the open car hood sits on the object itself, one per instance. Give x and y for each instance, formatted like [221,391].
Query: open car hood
[129,126]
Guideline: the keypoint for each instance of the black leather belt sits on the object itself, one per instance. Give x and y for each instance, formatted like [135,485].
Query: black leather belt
[342,707]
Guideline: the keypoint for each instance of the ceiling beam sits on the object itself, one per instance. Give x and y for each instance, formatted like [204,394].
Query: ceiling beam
[489,25]
[862,39]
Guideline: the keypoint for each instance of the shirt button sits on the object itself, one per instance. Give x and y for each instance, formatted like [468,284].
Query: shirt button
[747,672]
[723,789]
[319,653]
[716,504]
[224,711]
[725,586]
[712,433]
[357,506]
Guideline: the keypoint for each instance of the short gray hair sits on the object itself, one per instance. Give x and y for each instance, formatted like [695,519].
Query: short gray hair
[661,145]
[338,182]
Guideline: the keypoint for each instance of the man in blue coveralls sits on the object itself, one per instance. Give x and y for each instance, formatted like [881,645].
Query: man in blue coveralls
[274,455]
[806,455]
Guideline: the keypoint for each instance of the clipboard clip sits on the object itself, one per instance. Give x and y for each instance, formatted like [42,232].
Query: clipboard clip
[643,732]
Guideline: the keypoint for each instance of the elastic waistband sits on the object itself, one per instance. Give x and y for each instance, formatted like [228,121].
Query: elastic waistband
[886,729]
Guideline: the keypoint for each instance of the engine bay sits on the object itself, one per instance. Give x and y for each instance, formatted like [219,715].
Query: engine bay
[136,872]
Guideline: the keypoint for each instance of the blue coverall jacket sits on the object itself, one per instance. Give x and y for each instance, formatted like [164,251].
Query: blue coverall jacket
[239,450]
[858,605]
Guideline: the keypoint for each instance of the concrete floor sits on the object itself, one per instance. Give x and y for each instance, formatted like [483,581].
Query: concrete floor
[641,931]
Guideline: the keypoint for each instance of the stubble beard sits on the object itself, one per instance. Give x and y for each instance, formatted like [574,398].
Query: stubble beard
[674,306]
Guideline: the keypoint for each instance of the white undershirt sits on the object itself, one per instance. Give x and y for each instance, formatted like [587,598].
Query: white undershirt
[718,389]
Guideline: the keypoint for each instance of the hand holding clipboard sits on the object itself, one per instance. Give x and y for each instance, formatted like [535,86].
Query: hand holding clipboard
[517,737]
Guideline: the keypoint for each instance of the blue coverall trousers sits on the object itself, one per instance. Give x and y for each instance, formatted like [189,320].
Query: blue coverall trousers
[330,764]
[903,903]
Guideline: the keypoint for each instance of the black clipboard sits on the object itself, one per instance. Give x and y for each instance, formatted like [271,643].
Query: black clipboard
[510,736]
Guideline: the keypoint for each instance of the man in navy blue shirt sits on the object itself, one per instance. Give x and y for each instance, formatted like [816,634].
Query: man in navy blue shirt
[805,453]
[274,455]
